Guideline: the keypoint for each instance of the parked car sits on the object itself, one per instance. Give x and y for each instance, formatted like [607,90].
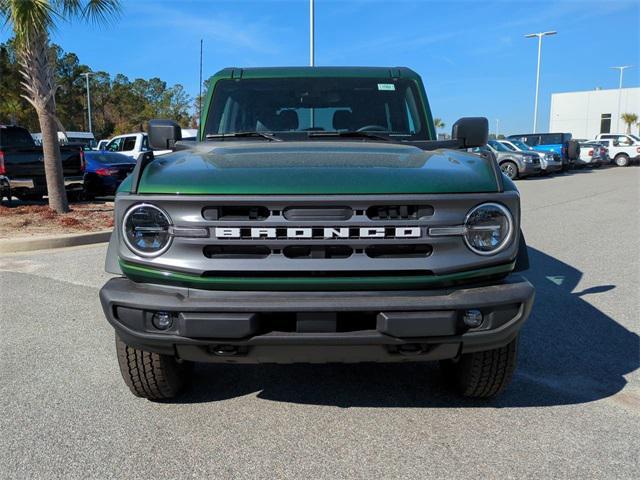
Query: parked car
[604,153]
[591,155]
[624,139]
[548,163]
[104,172]
[22,161]
[132,145]
[514,164]
[5,188]
[560,145]
[622,154]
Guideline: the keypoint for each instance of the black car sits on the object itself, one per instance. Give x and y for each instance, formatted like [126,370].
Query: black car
[105,171]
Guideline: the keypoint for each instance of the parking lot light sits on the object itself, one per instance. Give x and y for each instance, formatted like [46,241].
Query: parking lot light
[539,35]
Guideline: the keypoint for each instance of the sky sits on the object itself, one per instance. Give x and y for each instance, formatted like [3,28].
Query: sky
[472,56]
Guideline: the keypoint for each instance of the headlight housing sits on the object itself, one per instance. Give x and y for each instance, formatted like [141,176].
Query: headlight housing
[146,230]
[528,158]
[489,228]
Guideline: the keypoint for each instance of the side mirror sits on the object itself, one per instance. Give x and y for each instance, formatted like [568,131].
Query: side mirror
[163,134]
[471,132]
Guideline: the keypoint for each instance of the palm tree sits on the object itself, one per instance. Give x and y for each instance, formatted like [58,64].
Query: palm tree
[438,123]
[629,119]
[32,21]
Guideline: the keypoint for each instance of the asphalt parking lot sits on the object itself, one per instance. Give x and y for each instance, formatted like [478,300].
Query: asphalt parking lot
[572,411]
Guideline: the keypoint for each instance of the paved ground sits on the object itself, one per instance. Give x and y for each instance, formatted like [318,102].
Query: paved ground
[573,409]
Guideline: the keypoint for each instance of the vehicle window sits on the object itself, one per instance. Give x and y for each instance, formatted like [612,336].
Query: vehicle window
[550,139]
[498,146]
[623,141]
[110,157]
[129,144]
[635,137]
[605,123]
[521,145]
[15,137]
[292,106]
[115,145]
[510,146]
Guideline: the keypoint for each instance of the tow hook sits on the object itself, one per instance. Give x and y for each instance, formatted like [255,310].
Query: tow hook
[410,349]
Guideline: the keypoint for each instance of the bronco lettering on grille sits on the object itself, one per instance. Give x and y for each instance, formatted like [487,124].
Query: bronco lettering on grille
[318,232]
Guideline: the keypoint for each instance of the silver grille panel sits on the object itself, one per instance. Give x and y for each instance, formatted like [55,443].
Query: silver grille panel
[314,253]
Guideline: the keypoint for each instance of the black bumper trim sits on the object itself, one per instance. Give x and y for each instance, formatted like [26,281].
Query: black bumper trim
[513,293]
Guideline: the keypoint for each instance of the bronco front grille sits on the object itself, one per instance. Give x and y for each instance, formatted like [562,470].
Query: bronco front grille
[329,235]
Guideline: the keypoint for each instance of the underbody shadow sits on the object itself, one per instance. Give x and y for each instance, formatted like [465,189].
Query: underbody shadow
[569,352]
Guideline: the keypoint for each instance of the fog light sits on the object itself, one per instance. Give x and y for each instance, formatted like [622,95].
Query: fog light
[472,318]
[162,320]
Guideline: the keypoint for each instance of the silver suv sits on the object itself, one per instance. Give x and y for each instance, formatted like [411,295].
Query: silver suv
[513,164]
[548,162]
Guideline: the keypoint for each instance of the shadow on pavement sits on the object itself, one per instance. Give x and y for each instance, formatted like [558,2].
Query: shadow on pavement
[570,352]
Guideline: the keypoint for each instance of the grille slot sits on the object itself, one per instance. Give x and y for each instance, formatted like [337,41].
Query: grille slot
[399,212]
[313,213]
[398,251]
[319,251]
[236,213]
[236,251]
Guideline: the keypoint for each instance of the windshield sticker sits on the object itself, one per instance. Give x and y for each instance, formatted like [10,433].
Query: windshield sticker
[386,86]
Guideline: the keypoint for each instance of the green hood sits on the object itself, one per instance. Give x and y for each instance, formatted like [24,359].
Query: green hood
[316,167]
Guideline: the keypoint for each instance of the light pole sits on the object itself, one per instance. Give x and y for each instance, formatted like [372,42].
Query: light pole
[535,107]
[497,127]
[622,68]
[311,33]
[86,76]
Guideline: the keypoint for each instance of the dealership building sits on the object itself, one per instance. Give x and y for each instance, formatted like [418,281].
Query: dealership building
[585,114]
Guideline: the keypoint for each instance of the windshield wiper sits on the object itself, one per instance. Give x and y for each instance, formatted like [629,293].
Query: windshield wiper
[267,135]
[352,134]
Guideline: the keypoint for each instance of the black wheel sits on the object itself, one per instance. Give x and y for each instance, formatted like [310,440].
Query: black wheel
[621,160]
[152,375]
[482,374]
[510,169]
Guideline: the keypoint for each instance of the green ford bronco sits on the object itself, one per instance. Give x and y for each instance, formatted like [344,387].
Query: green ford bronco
[317,219]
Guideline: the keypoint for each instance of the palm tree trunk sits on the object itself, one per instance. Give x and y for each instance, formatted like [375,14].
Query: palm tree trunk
[39,83]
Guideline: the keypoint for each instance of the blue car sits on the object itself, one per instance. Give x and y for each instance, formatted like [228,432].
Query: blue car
[104,172]
[555,143]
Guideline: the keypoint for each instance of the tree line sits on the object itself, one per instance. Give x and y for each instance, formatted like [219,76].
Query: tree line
[118,104]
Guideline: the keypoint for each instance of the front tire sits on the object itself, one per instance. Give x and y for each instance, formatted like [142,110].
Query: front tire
[152,375]
[482,374]
[621,160]
[510,169]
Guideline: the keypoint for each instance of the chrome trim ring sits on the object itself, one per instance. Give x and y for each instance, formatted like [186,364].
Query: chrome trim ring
[507,239]
[124,231]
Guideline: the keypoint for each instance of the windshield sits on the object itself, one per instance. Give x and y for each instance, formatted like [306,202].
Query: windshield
[498,146]
[108,157]
[635,137]
[15,137]
[521,145]
[292,107]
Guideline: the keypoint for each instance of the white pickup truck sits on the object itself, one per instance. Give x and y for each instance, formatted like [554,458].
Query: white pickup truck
[623,148]
[132,145]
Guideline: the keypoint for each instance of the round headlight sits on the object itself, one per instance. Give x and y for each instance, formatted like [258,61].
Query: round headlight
[488,228]
[145,230]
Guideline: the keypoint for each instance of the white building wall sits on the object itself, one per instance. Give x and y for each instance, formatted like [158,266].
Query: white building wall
[579,113]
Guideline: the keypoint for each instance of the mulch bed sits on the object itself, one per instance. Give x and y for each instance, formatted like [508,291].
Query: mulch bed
[39,220]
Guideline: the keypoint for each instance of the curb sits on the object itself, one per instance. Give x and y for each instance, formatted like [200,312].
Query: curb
[26,244]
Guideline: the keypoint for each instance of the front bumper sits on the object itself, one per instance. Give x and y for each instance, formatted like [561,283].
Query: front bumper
[529,169]
[316,327]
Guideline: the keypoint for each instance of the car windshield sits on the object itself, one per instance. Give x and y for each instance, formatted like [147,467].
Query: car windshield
[105,157]
[498,146]
[293,107]
[635,137]
[521,145]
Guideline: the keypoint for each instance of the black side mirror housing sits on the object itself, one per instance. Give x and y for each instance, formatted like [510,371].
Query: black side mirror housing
[163,134]
[471,132]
